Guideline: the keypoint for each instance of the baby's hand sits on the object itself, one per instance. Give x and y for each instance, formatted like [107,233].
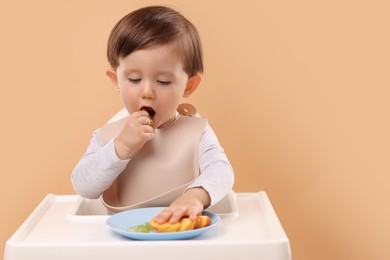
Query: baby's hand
[190,204]
[135,133]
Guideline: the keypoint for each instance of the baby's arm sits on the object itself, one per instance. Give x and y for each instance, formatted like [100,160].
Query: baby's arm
[214,182]
[100,165]
[97,168]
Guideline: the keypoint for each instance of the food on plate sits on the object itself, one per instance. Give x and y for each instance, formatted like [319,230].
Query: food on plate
[186,224]
[165,227]
[183,225]
[146,228]
[202,221]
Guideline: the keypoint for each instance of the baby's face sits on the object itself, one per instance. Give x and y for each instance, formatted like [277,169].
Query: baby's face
[152,79]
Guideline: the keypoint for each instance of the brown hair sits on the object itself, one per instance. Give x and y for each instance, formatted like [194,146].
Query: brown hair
[156,25]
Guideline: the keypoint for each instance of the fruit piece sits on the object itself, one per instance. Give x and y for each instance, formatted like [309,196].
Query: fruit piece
[202,221]
[148,226]
[186,224]
[165,227]
[183,225]
[139,229]
[145,228]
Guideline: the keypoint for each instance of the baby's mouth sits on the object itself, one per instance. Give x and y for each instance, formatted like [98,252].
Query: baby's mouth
[150,111]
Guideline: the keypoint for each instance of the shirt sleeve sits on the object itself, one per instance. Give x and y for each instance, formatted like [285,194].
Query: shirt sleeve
[216,173]
[97,169]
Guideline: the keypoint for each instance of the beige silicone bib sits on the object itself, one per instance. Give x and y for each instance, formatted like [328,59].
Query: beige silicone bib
[162,169]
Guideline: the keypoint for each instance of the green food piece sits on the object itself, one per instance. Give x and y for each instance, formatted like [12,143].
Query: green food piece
[146,228]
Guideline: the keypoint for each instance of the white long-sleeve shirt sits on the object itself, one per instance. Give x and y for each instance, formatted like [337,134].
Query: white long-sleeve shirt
[100,166]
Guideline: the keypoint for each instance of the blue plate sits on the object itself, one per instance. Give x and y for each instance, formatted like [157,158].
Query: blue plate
[121,221]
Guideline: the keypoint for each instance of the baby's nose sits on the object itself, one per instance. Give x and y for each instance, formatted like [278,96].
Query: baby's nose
[148,91]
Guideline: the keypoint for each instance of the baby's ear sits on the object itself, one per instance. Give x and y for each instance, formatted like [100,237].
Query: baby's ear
[112,75]
[192,84]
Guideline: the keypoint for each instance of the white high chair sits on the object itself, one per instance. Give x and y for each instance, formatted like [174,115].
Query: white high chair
[119,115]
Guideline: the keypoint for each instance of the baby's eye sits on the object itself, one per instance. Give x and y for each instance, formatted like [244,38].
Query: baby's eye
[164,82]
[134,80]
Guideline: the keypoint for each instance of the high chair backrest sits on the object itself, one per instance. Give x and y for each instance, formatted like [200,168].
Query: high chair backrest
[119,115]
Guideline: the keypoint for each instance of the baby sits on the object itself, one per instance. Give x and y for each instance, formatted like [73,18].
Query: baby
[155,156]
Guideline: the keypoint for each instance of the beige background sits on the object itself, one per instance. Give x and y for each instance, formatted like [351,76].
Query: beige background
[297,91]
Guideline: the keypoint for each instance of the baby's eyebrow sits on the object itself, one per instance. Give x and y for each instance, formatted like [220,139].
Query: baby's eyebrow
[131,71]
[165,73]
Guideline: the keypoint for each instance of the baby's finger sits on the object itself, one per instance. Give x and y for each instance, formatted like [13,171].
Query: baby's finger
[192,213]
[147,129]
[177,215]
[163,216]
[145,114]
[144,120]
[140,113]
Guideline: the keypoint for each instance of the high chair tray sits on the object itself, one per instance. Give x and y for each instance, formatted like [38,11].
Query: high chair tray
[65,227]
